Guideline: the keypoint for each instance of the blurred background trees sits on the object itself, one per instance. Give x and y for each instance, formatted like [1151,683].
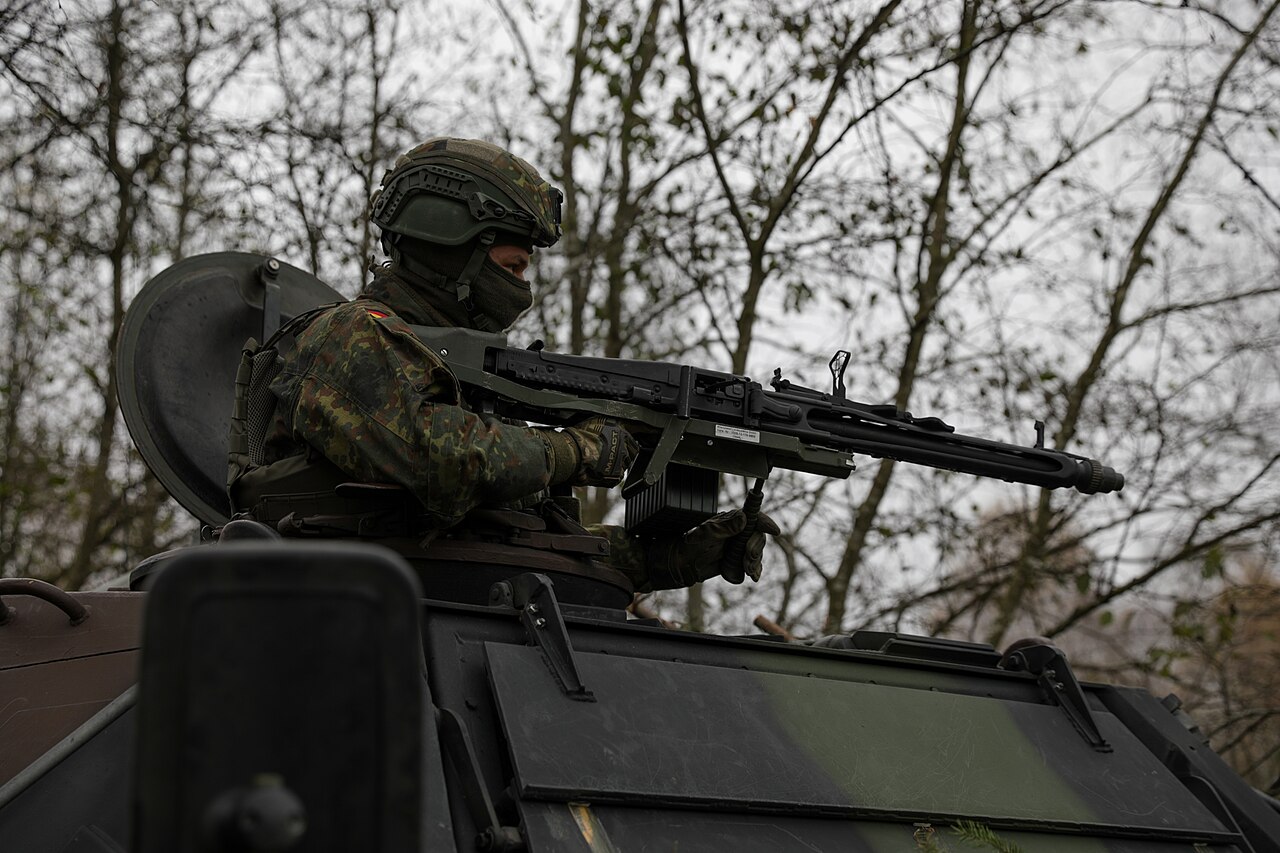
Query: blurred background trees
[1009,210]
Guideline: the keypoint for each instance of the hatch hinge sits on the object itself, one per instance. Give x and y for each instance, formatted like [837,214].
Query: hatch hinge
[533,595]
[269,275]
[493,837]
[1049,665]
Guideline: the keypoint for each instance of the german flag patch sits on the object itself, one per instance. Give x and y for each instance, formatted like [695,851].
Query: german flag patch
[377,315]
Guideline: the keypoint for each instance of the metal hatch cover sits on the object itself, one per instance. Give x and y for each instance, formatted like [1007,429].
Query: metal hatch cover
[665,734]
[176,362]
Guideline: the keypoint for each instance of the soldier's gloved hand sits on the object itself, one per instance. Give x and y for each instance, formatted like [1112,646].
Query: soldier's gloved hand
[596,452]
[681,561]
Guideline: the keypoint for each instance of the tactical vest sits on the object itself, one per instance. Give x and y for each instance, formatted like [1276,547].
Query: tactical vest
[305,493]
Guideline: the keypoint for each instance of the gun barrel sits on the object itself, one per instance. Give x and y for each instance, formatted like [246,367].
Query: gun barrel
[1102,479]
[1050,469]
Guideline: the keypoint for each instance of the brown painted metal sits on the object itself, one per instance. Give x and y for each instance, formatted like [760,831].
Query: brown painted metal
[54,676]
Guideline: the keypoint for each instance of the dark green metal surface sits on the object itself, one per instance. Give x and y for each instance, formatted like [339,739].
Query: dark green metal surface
[177,357]
[726,737]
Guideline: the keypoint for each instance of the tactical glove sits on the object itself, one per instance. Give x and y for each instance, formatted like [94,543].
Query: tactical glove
[596,452]
[680,561]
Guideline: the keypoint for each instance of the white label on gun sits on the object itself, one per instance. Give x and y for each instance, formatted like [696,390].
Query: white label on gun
[737,434]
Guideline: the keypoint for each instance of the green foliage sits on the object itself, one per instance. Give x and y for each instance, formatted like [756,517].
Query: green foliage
[969,833]
[983,837]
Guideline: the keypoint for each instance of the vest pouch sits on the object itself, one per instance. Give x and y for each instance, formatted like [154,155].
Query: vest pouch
[239,459]
[254,408]
[261,488]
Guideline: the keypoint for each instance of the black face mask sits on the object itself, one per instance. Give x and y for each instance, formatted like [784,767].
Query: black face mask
[496,294]
[500,295]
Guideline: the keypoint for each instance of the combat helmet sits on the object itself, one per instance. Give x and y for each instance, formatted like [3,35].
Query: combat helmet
[454,192]
[448,191]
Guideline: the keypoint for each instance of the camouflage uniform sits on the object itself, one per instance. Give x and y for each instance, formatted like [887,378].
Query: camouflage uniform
[367,395]
[361,390]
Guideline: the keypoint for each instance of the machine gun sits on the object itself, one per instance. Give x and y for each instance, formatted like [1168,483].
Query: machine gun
[698,420]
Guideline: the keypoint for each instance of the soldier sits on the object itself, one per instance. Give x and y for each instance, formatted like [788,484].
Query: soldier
[360,393]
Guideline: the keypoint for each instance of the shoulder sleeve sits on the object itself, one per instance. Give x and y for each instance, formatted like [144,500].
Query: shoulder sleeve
[626,554]
[379,404]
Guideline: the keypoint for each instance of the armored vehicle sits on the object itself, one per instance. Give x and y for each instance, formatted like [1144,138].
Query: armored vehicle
[260,693]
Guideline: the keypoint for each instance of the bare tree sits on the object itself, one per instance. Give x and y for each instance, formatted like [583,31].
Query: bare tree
[350,95]
[612,285]
[1121,322]
[111,101]
[779,156]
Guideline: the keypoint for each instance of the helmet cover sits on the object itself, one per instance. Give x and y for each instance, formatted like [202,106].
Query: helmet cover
[447,191]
